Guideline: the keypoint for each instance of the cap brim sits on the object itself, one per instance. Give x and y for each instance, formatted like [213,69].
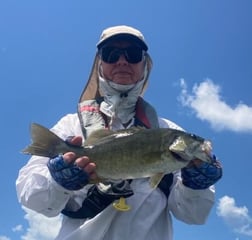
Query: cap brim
[123,36]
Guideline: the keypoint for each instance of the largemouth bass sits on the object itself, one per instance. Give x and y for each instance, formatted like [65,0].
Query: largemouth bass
[127,154]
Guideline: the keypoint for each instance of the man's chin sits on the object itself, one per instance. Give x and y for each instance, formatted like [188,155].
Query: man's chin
[123,79]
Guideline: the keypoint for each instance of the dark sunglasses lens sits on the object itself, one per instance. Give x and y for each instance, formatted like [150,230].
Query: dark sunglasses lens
[133,54]
[112,54]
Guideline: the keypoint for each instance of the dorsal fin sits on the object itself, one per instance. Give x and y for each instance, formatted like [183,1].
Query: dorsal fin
[101,135]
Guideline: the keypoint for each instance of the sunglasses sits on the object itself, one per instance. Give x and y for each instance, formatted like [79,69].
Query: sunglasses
[132,54]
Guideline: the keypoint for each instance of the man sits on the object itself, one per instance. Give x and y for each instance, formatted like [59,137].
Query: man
[112,99]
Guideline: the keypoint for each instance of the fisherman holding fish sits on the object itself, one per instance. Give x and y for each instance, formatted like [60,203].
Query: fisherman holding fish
[115,170]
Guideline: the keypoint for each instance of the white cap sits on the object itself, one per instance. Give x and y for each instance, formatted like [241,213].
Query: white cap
[122,32]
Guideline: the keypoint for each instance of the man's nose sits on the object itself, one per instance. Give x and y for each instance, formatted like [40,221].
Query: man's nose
[122,59]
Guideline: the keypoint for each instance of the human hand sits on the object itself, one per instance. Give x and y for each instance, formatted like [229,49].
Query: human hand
[69,171]
[83,162]
[201,175]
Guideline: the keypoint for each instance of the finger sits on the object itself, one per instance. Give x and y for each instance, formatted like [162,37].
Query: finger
[90,168]
[74,140]
[81,162]
[69,157]
[77,140]
[87,166]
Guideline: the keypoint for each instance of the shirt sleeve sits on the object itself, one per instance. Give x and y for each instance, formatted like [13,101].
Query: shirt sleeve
[35,187]
[189,205]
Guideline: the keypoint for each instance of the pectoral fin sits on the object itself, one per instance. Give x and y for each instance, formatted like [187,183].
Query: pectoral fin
[156,179]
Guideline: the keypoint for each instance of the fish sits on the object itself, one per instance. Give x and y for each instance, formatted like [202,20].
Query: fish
[129,153]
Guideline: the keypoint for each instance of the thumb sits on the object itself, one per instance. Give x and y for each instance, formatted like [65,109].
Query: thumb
[74,140]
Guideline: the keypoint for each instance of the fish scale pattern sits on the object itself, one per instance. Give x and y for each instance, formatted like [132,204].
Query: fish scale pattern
[203,176]
[68,175]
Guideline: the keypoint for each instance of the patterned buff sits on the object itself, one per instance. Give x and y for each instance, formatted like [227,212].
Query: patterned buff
[119,100]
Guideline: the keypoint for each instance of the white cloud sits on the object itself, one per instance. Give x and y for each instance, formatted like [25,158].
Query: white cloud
[206,101]
[235,217]
[17,228]
[4,238]
[41,227]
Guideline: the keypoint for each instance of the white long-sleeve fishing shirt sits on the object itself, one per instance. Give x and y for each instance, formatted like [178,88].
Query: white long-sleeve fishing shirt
[150,214]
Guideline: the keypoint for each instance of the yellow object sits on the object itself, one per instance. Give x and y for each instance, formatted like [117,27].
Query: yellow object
[121,205]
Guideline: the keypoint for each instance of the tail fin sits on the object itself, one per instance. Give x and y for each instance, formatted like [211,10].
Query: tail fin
[44,142]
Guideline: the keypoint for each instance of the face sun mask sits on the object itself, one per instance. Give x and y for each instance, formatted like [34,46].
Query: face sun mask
[119,100]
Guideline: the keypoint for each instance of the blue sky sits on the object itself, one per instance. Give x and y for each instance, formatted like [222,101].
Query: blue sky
[202,80]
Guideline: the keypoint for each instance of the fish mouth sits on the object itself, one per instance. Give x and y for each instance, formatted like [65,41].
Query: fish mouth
[178,157]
